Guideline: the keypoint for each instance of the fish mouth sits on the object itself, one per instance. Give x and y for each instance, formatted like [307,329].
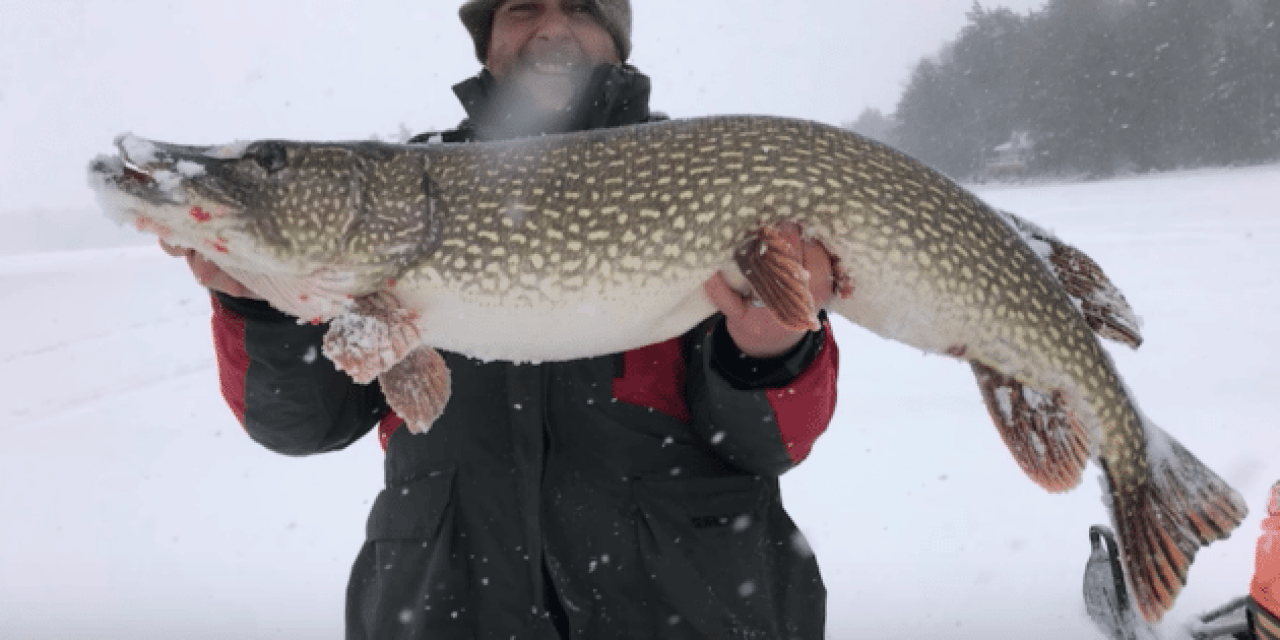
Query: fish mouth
[134,175]
[118,174]
[155,171]
[135,179]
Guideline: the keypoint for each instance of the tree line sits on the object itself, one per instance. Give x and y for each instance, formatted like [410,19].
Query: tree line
[1095,88]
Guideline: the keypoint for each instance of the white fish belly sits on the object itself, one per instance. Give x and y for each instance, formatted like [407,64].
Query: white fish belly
[528,332]
[901,303]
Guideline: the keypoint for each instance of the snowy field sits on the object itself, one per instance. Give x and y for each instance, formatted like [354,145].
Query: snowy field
[133,506]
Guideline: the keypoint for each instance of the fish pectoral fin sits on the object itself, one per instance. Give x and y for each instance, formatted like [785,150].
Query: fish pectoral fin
[1163,517]
[1045,440]
[774,268]
[418,388]
[371,337]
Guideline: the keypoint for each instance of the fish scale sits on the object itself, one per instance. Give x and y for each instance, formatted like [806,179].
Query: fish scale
[585,244]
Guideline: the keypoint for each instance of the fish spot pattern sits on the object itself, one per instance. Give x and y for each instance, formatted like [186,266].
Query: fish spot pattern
[554,220]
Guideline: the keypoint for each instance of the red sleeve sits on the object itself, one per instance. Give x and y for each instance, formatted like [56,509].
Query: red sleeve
[769,425]
[286,395]
[804,408]
[233,358]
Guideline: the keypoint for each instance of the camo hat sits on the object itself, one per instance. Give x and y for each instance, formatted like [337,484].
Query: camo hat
[613,15]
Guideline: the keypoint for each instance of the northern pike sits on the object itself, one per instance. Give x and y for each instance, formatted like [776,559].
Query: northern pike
[583,244]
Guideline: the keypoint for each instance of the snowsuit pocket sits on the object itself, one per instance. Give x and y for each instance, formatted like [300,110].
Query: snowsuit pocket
[723,554]
[404,584]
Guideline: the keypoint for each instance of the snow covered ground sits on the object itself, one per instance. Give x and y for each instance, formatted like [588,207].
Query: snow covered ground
[132,505]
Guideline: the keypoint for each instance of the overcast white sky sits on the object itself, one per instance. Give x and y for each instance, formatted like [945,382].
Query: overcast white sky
[75,73]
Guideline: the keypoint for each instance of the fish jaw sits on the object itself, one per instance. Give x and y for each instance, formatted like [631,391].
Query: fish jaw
[150,186]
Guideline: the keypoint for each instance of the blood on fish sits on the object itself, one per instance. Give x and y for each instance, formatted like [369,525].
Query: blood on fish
[217,246]
[957,351]
[201,215]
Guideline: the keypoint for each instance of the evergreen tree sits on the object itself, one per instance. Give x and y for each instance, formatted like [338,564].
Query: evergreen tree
[1102,86]
[955,110]
[874,124]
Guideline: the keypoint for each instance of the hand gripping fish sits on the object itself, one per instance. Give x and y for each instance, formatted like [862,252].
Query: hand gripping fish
[577,245]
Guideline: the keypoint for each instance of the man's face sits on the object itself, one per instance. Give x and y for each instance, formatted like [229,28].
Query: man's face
[543,45]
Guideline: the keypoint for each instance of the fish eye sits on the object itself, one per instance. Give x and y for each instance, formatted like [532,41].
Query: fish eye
[271,156]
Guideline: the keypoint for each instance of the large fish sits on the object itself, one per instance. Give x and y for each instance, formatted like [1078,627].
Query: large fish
[570,246]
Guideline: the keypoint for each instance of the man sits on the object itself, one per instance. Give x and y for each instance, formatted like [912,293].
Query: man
[632,495]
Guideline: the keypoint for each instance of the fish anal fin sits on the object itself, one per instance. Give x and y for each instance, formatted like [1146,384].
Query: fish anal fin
[418,388]
[1050,446]
[774,268]
[371,337]
[1164,519]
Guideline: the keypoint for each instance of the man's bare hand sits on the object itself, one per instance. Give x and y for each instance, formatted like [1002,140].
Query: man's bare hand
[756,329]
[208,273]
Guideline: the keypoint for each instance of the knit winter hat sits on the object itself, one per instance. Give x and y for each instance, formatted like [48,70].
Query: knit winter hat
[614,16]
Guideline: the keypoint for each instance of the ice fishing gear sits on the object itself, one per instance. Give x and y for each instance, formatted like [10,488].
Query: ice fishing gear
[1106,598]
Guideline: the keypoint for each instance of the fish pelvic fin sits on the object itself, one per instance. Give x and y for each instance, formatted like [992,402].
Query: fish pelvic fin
[1163,522]
[1045,439]
[418,388]
[775,270]
[371,337]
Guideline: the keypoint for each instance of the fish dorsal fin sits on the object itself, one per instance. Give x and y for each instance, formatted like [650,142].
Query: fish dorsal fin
[371,337]
[1050,446]
[1104,306]
[774,269]
[418,388]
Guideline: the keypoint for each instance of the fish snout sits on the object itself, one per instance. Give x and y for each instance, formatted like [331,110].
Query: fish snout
[149,157]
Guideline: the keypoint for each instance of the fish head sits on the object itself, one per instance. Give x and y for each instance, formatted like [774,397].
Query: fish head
[273,205]
[215,199]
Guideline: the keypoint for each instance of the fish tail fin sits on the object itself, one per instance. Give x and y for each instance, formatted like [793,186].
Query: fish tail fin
[1164,521]
[1047,442]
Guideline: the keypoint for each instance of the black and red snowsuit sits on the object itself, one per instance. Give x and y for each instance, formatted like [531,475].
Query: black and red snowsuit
[632,495]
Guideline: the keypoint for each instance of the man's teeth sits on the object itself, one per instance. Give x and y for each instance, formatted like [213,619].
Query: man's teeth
[552,69]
